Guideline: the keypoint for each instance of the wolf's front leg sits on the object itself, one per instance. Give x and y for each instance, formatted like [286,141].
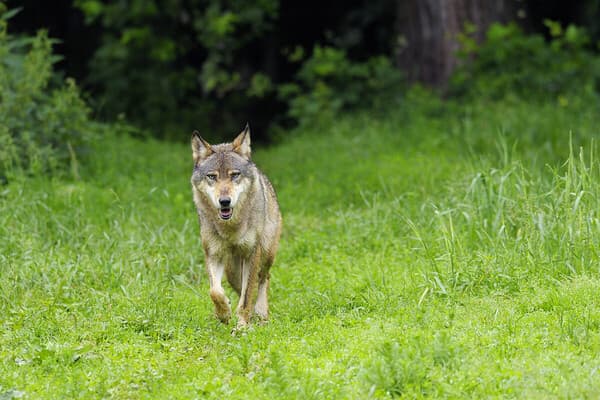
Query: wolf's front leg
[217,294]
[250,269]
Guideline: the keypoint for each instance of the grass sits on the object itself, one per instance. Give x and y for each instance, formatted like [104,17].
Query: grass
[447,251]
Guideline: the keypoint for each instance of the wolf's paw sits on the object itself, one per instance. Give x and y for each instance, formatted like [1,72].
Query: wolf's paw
[261,315]
[241,329]
[222,307]
[223,317]
[223,312]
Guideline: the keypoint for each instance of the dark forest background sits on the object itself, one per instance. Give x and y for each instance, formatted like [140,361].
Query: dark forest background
[167,67]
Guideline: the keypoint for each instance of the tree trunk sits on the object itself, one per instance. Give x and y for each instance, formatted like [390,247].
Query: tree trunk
[428,30]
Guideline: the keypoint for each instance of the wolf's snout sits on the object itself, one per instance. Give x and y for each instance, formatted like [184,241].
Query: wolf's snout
[225,212]
[225,201]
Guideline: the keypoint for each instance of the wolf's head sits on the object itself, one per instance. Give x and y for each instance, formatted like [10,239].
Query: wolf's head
[222,173]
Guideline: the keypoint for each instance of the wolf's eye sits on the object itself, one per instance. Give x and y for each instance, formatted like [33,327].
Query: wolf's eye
[234,175]
[211,177]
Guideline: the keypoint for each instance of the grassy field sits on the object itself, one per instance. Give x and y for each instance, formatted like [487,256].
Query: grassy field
[445,251]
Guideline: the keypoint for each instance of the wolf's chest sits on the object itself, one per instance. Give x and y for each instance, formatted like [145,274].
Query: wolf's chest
[235,241]
[243,243]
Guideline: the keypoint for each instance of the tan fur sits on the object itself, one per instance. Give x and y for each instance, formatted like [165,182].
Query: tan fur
[243,247]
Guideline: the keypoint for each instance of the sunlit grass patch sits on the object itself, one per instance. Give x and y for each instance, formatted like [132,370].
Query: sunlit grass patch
[422,256]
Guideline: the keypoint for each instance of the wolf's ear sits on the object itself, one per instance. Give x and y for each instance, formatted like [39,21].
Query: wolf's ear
[241,144]
[200,148]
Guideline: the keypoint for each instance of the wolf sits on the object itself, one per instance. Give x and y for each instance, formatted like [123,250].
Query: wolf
[240,225]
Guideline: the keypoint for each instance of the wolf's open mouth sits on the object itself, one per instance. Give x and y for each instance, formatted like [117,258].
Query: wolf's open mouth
[225,213]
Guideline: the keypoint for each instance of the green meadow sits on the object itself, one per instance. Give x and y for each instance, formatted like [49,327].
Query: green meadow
[441,250]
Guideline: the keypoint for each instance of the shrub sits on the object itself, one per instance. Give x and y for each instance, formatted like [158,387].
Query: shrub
[509,61]
[328,82]
[170,67]
[43,120]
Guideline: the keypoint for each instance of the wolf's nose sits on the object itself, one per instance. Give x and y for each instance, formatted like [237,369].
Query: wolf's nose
[225,201]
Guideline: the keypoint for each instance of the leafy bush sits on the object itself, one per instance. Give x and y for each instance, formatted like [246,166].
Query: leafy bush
[42,124]
[509,61]
[328,82]
[177,65]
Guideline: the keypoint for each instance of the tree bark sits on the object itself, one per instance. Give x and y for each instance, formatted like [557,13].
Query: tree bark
[428,30]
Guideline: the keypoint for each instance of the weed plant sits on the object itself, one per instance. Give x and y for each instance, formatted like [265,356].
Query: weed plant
[446,251]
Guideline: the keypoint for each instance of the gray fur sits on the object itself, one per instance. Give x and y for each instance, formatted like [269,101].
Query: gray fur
[243,248]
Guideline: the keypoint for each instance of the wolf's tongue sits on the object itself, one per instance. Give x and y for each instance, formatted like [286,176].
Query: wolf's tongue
[225,213]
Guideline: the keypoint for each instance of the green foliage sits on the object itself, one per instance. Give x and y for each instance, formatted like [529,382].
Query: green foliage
[400,368]
[168,67]
[43,122]
[210,63]
[449,250]
[510,62]
[329,83]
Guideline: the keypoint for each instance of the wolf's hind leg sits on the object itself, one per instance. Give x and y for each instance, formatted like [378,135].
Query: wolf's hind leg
[234,274]
[217,294]
[261,308]
[249,283]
